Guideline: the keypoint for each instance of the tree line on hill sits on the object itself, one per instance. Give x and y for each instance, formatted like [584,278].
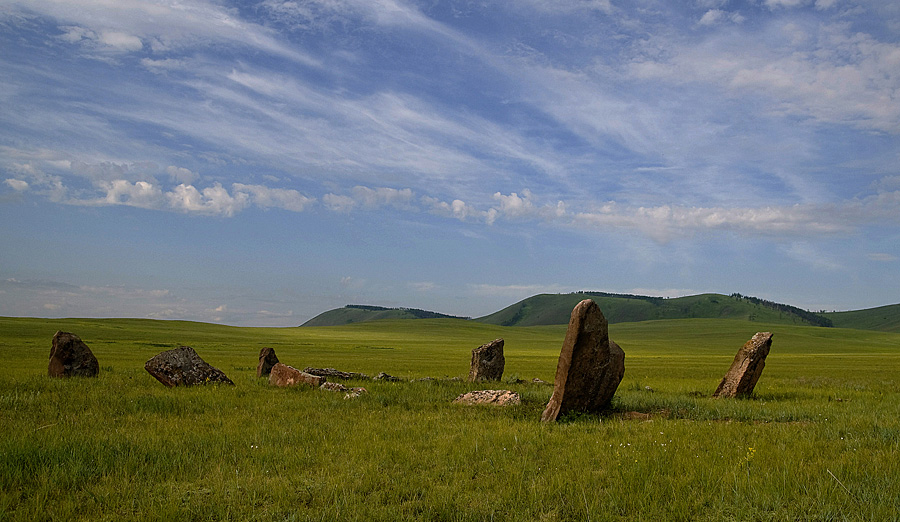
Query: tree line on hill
[810,317]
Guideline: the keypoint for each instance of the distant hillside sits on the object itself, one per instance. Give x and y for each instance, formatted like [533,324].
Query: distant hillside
[362,313]
[546,309]
[883,318]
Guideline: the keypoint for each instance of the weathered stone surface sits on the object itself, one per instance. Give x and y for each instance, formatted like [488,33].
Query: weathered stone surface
[495,397]
[267,359]
[69,356]
[747,367]
[385,377]
[283,376]
[333,386]
[487,362]
[355,392]
[590,366]
[331,373]
[183,367]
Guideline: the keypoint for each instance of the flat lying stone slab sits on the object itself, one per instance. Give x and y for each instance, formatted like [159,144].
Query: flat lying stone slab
[267,359]
[590,366]
[331,373]
[494,397]
[70,357]
[487,362]
[386,377]
[333,386]
[183,367]
[746,368]
[284,376]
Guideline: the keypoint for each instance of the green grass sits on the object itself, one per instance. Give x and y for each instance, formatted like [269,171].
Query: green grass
[884,318]
[818,441]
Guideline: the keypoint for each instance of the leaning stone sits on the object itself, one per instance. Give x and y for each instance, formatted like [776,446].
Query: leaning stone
[283,376]
[746,368]
[385,377]
[267,359]
[487,362]
[183,367]
[69,356]
[333,386]
[495,397]
[331,373]
[590,367]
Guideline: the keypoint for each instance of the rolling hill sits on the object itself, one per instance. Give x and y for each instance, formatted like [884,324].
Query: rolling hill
[550,309]
[883,318]
[546,309]
[363,313]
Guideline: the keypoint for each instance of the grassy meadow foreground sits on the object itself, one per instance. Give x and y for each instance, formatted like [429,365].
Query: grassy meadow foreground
[819,440]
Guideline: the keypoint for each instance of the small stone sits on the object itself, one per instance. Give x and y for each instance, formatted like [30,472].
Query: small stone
[746,368]
[385,377]
[333,386]
[183,367]
[267,359]
[355,392]
[284,376]
[494,397]
[487,362]
[69,357]
[540,381]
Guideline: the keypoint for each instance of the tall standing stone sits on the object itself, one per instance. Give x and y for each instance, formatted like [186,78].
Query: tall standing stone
[590,366]
[267,359]
[747,367]
[69,356]
[183,367]
[487,362]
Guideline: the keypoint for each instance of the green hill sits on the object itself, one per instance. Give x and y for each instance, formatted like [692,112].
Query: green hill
[883,318]
[546,309]
[363,313]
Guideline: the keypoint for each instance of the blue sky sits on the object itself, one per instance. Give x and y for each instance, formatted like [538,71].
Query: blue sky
[257,163]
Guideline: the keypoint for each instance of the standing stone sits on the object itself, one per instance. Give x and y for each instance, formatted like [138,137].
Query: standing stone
[183,367]
[70,356]
[590,366]
[747,367]
[267,359]
[487,362]
[284,376]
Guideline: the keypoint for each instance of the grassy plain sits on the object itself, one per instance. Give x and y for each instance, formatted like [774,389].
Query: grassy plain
[819,440]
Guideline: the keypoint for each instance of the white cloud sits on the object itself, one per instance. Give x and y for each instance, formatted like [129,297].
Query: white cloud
[139,194]
[516,291]
[338,203]
[181,174]
[712,17]
[265,197]
[882,257]
[121,41]
[17,184]
[833,75]
[213,200]
[122,24]
[457,209]
[370,198]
